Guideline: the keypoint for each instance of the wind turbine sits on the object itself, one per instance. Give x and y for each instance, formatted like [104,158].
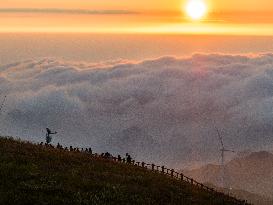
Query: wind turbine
[2,104]
[223,151]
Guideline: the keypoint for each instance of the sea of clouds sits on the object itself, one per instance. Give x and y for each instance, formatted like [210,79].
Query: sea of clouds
[163,110]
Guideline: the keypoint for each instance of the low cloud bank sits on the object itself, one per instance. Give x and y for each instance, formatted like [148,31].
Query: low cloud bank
[163,110]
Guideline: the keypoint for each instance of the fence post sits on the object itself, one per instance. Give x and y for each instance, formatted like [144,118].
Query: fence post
[153,167]
[162,169]
[143,164]
[172,171]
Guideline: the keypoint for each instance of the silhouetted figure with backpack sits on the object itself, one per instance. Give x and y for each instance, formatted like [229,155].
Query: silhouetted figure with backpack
[49,134]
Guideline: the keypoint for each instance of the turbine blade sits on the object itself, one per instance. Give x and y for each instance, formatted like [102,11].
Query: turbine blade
[227,150]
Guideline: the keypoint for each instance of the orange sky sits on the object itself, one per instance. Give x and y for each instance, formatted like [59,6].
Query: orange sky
[251,17]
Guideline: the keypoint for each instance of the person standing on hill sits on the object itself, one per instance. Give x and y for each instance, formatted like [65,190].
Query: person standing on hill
[128,158]
[48,135]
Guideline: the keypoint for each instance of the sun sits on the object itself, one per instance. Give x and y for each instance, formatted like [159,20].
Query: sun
[196,9]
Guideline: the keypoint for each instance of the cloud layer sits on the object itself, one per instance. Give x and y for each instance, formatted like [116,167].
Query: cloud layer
[163,110]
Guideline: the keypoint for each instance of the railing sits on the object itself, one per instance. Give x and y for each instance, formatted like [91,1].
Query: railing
[181,177]
[158,169]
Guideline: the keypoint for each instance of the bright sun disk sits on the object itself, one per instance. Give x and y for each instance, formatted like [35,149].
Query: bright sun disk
[196,9]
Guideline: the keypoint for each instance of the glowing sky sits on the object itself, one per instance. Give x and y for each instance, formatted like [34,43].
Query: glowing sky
[252,17]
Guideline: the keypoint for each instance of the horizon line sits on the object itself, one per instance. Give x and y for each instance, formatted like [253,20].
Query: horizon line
[68,11]
[38,31]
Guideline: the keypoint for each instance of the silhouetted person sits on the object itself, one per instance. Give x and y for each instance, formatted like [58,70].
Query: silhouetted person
[119,158]
[90,151]
[70,148]
[128,158]
[107,155]
[48,135]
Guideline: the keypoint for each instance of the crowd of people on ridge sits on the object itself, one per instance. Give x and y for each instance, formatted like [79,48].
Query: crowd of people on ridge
[107,155]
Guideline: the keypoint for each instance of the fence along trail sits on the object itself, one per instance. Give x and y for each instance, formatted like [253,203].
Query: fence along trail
[154,168]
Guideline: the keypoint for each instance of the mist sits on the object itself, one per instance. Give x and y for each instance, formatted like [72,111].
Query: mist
[163,110]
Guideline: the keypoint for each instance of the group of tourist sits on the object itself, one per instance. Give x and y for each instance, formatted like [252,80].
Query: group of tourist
[107,155]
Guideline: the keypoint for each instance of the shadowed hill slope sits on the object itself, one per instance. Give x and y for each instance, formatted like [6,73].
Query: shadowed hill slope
[252,173]
[252,198]
[34,174]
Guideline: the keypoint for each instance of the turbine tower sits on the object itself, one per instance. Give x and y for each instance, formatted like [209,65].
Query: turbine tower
[2,104]
[223,151]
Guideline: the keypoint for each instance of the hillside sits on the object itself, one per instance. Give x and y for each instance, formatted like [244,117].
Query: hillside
[36,174]
[252,198]
[252,173]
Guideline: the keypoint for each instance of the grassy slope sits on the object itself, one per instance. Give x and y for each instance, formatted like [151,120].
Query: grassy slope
[32,174]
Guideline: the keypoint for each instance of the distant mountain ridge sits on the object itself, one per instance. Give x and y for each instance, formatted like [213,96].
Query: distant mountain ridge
[252,173]
[253,198]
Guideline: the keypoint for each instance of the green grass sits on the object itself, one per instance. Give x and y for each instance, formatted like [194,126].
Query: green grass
[33,174]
